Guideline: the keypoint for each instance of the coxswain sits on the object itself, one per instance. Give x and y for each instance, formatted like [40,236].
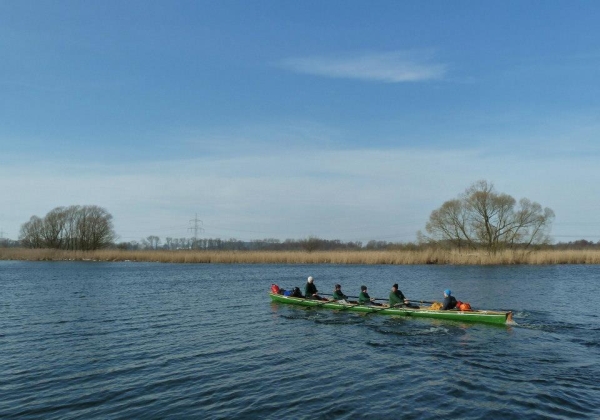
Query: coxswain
[449,300]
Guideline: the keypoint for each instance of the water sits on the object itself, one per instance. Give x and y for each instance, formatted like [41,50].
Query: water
[142,340]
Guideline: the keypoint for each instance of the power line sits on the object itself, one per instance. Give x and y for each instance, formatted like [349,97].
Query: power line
[196,227]
[163,228]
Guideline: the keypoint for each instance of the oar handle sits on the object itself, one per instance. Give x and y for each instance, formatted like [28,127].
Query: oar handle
[329,294]
[351,297]
[410,300]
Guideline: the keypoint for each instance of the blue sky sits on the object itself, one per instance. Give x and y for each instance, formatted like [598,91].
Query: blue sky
[346,120]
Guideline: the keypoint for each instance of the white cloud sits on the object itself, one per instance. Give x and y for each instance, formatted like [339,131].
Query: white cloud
[389,67]
[347,194]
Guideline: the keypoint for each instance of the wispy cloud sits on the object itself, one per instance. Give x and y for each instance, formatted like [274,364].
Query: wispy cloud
[343,194]
[388,67]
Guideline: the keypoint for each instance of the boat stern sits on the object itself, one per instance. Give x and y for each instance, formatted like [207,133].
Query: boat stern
[509,317]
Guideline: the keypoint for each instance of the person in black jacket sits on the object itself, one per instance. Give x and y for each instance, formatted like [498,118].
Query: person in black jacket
[310,290]
[449,300]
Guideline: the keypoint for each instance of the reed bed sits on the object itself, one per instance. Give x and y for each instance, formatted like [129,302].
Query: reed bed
[426,256]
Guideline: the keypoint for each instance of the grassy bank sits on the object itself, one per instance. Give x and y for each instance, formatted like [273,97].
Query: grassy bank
[429,256]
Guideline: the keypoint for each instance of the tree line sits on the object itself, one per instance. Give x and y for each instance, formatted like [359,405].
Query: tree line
[479,218]
[308,245]
[83,228]
[269,244]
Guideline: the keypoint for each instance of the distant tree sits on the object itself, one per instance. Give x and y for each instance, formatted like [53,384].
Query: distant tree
[31,234]
[373,244]
[8,243]
[482,217]
[95,228]
[152,242]
[73,227]
[311,244]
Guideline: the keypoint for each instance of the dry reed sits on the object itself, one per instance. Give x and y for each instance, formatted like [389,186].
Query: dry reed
[426,256]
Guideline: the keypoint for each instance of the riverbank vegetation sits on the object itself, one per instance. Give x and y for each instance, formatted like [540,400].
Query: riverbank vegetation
[399,257]
[479,227]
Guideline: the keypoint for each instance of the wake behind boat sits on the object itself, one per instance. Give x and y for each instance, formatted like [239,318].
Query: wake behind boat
[489,317]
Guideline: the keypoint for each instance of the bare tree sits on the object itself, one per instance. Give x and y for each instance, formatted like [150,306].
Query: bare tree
[311,244]
[54,225]
[99,229]
[73,227]
[153,241]
[31,234]
[481,217]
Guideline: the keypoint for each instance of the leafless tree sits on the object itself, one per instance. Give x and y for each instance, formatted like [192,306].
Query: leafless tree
[31,234]
[73,227]
[152,242]
[482,217]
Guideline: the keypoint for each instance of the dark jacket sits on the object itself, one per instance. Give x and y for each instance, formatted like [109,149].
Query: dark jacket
[364,297]
[309,290]
[396,298]
[449,303]
[338,295]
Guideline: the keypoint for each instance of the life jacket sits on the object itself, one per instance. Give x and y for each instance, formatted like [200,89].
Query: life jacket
[275,289]
[465,307]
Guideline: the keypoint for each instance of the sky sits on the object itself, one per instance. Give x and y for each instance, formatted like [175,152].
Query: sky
[348,120]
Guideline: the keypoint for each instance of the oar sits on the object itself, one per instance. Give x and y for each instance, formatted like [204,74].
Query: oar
[421,301]
[394,307]
[345,306]
[379,309]
[329,294]
[352,297]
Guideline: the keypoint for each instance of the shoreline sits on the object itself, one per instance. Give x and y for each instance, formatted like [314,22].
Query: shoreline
[366,257]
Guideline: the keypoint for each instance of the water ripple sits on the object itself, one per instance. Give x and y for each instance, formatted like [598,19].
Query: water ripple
[84,341]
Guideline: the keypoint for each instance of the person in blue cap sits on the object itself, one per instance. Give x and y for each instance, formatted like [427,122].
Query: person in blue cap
[449,300]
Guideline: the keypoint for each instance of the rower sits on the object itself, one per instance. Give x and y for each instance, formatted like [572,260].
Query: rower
[449,300]
[365,299]
[338,296]
[310,290]
[397,297]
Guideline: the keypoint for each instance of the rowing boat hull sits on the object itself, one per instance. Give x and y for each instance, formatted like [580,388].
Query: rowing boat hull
[489,317]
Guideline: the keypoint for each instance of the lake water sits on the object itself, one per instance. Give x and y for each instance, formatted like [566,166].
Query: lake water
[144,340]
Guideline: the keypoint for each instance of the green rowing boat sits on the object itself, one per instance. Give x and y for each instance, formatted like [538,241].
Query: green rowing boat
[490,317]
